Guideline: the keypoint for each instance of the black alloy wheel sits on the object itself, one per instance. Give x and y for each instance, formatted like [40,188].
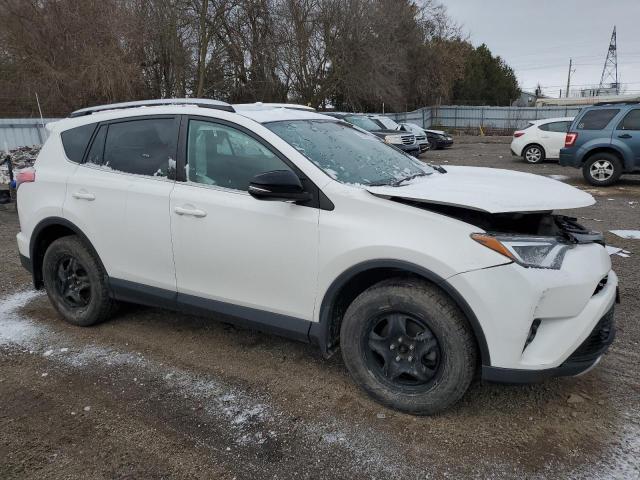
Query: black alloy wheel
[403,351]
[72,282]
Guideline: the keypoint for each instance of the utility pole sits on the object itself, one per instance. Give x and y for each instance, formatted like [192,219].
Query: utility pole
[566,94]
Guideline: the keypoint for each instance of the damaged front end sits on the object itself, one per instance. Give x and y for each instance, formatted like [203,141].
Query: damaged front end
[533,240]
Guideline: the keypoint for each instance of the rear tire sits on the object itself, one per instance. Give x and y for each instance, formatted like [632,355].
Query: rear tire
[76,283]
[602,169]
[408,346]
[534,154]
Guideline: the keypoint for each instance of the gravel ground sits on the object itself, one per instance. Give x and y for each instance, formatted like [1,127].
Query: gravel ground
[156,394]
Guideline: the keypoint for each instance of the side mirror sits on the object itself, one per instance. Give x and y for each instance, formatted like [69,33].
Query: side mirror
[280,185]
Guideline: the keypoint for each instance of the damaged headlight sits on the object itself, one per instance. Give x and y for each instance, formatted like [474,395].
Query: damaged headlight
[528,251]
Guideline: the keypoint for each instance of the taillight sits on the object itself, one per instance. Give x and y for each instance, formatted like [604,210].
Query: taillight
[25,176]
[517,134]
[570,139]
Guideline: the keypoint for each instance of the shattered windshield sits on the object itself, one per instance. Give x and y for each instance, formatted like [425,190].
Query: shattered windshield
[347,154]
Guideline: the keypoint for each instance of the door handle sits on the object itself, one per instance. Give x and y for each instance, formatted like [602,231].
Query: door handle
[193,212]
[84,196]
[624,135]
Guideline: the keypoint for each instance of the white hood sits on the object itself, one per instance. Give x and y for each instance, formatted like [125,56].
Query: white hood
[439,132]
[490,190]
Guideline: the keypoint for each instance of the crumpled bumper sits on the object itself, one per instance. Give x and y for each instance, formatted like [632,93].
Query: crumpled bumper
[566,305]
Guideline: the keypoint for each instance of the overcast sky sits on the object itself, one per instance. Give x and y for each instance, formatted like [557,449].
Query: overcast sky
[537,38]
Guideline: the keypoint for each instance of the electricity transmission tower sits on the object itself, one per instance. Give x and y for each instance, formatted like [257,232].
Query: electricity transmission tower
[609,77]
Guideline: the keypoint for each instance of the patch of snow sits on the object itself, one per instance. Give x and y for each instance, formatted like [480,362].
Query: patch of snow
[611,250]
[250,418]
[628,234]
[13,327]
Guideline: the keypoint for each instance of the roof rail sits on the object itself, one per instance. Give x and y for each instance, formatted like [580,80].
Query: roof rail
[620,102]
[267,106]
[199,102]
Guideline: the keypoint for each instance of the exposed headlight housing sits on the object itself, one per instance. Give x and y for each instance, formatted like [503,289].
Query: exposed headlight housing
[393,139]
[528,251]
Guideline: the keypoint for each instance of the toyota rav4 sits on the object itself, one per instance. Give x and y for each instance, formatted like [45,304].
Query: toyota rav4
[305,226]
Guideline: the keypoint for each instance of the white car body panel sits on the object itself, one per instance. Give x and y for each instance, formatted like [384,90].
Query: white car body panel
[250,253]
[552,142]
[491,190]
[126,222]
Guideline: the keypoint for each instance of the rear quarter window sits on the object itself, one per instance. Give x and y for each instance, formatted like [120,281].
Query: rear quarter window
[75,141]
[597,119]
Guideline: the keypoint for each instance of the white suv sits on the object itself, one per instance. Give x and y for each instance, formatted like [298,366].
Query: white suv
[300,224]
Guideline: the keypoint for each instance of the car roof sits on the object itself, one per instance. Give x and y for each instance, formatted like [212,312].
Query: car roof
[282,114]
[551,120]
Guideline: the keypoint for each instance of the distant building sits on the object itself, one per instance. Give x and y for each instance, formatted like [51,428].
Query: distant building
[611,90]
[526,99]
[582,101]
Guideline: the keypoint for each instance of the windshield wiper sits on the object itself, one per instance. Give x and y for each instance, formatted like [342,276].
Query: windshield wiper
[397,183]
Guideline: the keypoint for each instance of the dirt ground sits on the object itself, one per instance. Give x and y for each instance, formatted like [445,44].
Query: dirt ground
[156,394]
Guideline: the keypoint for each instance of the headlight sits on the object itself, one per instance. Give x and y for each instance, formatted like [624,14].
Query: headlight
[535,252]
[393,139]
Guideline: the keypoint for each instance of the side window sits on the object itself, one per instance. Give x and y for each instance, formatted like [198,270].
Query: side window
[631,121]
[97,147]
[223,156]
[559,127]
[597,119]
[75,141]
[544,126]
[142,147]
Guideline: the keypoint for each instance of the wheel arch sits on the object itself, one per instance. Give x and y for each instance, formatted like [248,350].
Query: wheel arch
[44,234]
[534,144]
[606,149]
[348,285]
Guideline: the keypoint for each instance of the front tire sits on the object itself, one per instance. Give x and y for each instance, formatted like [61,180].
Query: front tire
[602,169]
[76,283]
[408,346]
[534,154]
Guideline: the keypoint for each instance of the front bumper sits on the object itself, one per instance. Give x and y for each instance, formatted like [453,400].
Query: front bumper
[444,143]
[410,149]
[586,357]
[567,305]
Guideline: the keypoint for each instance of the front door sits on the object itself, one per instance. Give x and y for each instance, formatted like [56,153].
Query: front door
[627,136]
[232,251]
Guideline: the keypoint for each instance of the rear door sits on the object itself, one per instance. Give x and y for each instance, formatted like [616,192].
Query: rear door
[627,136]
[553,135]
[119,198]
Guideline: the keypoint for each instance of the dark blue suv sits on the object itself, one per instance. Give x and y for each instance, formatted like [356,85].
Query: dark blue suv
[604,140]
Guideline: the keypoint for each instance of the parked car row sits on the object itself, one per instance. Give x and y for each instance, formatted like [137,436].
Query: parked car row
[603,141]
[391,132]
[309,227]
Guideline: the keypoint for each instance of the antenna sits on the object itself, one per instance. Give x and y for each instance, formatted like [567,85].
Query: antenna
[40,110]
[610,70]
